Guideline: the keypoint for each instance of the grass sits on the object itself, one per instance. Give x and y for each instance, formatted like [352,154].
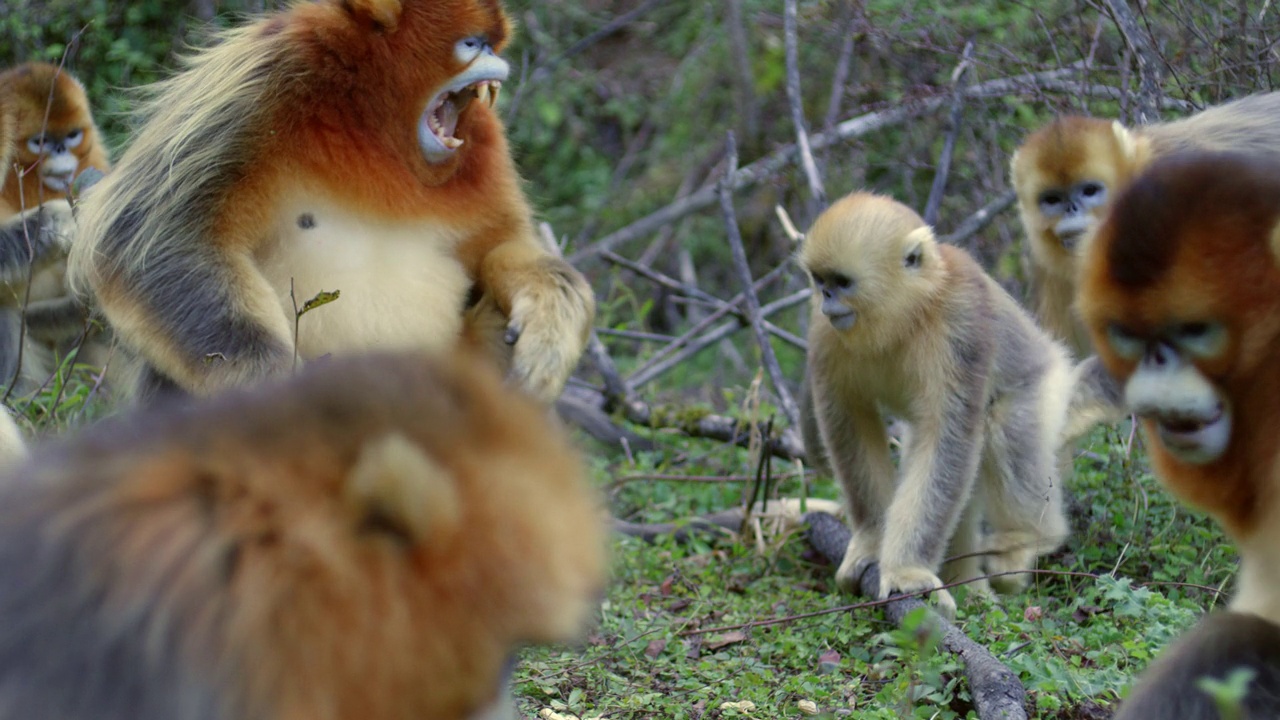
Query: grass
[1137,570]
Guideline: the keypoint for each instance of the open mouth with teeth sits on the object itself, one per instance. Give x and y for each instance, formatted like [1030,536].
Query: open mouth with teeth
[439,123]
[1192,438]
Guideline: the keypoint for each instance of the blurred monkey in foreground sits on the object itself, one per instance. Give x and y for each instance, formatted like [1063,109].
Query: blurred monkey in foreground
[336,145]
[1180,292]
[369,539]
[906,326]
[1067,173]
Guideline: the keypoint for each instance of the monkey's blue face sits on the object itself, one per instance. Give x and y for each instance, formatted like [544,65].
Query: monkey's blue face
[481,79]
[1073,210]
[837,291]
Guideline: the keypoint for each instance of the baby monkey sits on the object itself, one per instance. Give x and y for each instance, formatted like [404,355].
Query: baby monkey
[371,538]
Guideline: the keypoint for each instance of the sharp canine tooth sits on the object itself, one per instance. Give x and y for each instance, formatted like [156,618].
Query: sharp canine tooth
[495,87]
[451,142]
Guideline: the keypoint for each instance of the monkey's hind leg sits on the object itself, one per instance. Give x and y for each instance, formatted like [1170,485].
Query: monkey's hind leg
[1023,491]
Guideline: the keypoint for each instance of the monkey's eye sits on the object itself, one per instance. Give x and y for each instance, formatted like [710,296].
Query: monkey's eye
[1052,200]
[468,49]
[1092,189]
[35,144]
[1200,339]
[841,281]
[1124,343]
[73,138]
[912,260]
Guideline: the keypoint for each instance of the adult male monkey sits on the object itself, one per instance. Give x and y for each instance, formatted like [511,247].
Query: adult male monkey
[1180,291]
[1067,173]
[344,145]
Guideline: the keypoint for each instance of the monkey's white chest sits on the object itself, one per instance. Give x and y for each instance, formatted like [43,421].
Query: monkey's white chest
[399,284]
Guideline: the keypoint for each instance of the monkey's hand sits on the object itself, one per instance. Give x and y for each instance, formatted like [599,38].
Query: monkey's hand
[863,549]
[34,239]
[911,579]
[549,323]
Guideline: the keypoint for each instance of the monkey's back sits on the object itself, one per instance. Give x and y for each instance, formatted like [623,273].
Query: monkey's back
[1249,125]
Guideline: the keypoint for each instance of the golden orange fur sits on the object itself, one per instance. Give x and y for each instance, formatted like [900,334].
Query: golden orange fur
[370,539]
[46,101]
[1180,291]
[305,153]
[1073,152]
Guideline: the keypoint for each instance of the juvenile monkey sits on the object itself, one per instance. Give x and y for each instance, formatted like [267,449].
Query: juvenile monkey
[368,539]
[54,139]
[1067,173]
[1180,292]
[904,326]
[337,145]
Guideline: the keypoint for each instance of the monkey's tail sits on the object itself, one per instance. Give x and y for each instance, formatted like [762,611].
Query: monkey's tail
[1096,398]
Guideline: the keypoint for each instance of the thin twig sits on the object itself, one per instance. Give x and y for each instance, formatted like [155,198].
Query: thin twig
[752,301]
[817,192]
[959,78]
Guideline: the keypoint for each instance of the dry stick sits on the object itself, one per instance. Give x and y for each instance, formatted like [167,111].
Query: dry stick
[651,372]
[959,78]
[771,164]
[695,292]
[739,254]
[974,224]
[1148,62]
[841,75]
[817,192]
[1109,92]
[702,325]
[995,689]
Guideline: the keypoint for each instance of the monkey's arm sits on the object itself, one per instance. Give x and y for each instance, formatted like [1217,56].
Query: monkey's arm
[55,320]
[549,306]
[939,467]
[858,448]
[206,318]
[34,239]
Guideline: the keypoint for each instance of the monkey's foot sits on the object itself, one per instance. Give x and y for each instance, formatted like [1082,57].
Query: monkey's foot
[549,326]
[861,551]
[1010,552]
[912,579]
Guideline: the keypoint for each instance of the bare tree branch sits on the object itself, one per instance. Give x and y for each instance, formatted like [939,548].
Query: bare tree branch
[774,162]
[752,302]
[975,223]
[1149,68]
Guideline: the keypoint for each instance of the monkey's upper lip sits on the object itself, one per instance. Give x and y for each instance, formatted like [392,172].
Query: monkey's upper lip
[440,121]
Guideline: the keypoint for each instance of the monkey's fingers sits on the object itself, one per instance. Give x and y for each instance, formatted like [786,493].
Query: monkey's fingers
[907,580]
[549,327]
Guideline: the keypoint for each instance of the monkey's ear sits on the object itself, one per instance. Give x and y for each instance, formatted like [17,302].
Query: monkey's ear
[382,13]
[1127,141]
[397,489]
[915,246]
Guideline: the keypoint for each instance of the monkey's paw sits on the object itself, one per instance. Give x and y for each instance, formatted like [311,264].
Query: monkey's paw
[549,326]
[859,554]
[912,579]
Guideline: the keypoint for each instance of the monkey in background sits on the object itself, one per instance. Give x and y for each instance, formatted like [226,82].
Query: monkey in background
[1067,173]
[1180,292]
[336,145]
[370,538]
[904,326]
[54,139]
